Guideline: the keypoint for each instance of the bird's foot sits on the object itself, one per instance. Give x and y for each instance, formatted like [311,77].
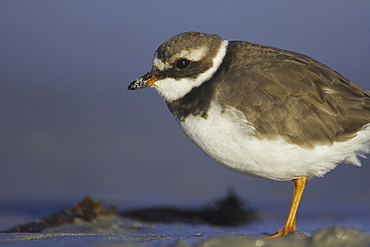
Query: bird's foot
[283,232]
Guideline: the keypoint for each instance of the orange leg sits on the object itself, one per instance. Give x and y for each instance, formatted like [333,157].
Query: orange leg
[290,224]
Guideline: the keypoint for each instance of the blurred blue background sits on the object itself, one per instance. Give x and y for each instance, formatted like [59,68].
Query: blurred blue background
[69,127]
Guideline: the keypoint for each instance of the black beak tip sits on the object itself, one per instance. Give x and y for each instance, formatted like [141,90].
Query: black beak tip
[132,86]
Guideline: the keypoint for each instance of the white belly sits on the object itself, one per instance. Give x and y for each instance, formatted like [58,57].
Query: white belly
[228,138]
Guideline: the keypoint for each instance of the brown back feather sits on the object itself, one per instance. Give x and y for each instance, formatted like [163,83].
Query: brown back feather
[289,95]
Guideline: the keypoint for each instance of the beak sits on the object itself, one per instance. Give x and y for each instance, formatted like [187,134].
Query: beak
[143,82]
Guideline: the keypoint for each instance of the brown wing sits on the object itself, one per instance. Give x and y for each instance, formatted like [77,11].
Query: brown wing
[289,95]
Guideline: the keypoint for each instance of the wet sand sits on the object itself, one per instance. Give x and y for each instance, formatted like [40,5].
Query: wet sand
[106,228]
[116,231]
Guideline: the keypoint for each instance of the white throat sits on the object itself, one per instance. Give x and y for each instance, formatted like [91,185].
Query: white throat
[172,89]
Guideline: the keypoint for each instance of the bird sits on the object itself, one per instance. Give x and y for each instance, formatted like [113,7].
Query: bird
[261,111]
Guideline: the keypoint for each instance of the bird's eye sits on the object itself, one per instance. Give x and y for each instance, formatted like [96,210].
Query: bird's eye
[183,64]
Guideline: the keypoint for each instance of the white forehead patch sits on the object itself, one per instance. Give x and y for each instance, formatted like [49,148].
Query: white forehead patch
[160,64]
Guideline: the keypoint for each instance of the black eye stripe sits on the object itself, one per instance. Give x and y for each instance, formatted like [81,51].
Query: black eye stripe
[182,63]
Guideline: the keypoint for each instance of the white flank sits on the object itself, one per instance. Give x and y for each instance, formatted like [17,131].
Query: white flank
[228,138]
[172,89]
